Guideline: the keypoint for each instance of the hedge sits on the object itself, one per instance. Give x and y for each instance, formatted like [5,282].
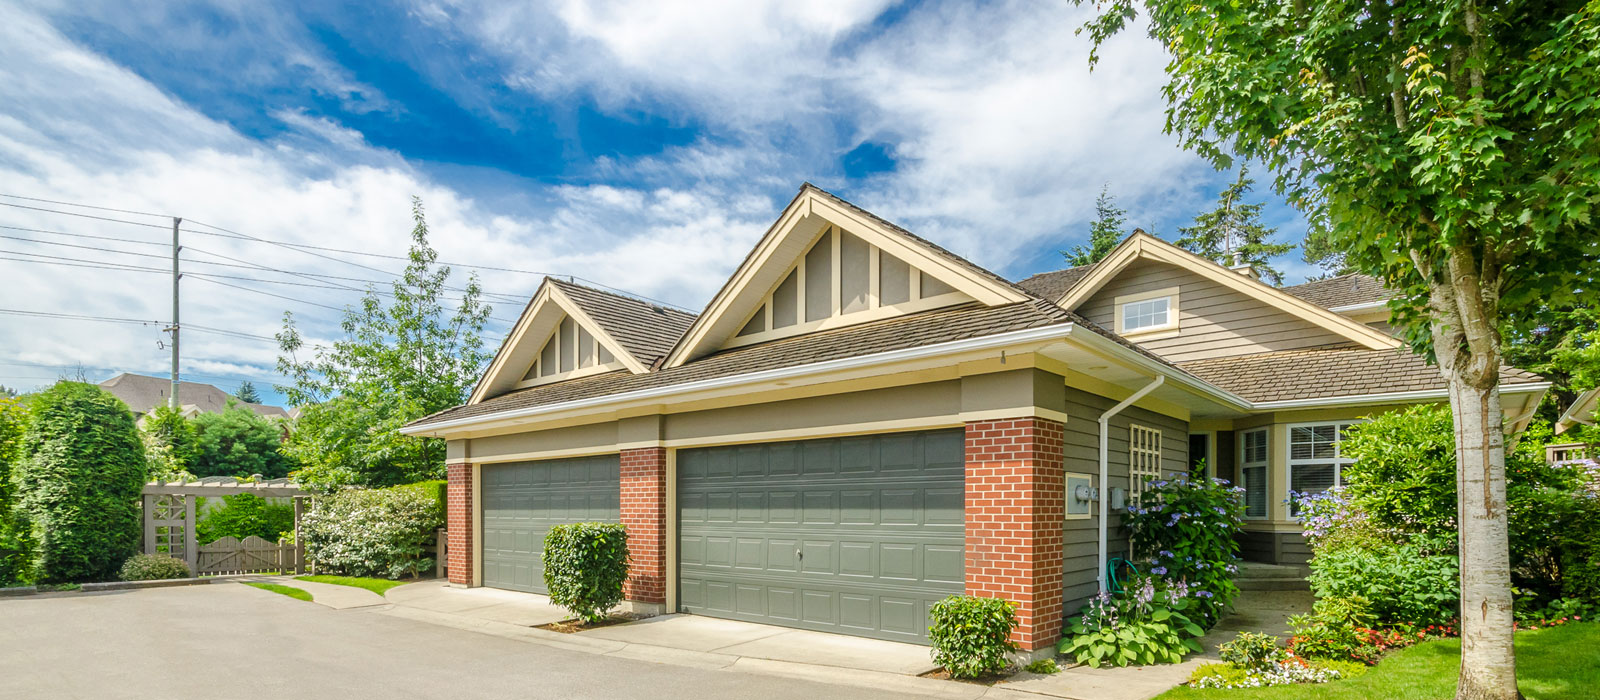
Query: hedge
[373,532]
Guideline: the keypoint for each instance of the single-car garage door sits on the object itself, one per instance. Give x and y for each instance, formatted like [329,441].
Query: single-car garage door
[856,535]
[522,500]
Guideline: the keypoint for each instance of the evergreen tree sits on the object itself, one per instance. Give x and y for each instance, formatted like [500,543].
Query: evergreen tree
[247,393]
[1105,232]
[1232,234]
[169,443]
[237,442]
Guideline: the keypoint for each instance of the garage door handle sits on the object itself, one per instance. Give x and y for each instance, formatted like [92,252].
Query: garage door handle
[799,555]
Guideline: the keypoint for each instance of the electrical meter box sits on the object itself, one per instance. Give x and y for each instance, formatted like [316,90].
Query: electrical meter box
[1081,496]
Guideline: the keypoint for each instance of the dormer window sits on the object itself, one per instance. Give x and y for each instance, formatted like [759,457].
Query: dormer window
[1148,312]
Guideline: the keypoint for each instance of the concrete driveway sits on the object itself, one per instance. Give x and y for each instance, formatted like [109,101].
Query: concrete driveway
[233,641]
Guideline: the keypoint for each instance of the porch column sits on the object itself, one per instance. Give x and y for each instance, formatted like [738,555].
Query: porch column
[1014,511]
[459,521]
[644,512]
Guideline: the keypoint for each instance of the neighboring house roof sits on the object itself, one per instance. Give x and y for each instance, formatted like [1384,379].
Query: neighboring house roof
[1055,285]
[910,331]
[1354,289]
[1583,410]
[1319,373]
[144,393]
[645,330]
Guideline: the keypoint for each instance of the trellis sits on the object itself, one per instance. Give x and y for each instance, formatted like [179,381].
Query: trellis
[169,519]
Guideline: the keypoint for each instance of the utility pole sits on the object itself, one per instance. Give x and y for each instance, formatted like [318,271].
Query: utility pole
[172,400]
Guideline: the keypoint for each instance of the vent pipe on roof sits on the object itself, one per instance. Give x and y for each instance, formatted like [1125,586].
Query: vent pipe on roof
[1246,269]
[1105,468]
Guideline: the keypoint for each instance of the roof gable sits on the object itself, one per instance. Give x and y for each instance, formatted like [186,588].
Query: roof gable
[815,215]
[1143,246]
[626,334]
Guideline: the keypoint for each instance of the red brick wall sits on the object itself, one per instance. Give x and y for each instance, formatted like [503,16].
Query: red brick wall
[459,521]
[644,512]
[1015,510]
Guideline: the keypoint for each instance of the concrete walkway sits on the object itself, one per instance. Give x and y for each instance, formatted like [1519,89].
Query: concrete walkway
[511,607]
[333,596]
[748,639]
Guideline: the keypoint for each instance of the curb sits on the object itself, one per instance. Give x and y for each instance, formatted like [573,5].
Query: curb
[18,591]
[163,583]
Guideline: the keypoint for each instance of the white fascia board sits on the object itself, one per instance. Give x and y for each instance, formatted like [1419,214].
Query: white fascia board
[1357,308]
[1392,397]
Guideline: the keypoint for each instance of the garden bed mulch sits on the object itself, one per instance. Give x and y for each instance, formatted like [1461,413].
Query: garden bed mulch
[942,674]
[576,626]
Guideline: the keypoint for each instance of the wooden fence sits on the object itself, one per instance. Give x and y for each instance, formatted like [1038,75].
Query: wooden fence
[253,555]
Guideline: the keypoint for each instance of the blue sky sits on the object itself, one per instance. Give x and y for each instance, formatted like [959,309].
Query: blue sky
[643,146]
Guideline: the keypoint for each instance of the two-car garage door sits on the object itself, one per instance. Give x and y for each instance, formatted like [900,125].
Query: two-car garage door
[856,535]
[522,500]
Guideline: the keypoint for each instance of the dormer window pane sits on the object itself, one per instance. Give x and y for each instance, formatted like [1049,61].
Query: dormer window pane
[1150,313]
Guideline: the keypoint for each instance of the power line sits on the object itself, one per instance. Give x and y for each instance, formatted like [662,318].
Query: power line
[86,206]
[79,317]
[266,293]
[79,235]
[81,214]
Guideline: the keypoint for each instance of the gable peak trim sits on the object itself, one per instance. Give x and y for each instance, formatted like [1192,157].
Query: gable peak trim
[502,369]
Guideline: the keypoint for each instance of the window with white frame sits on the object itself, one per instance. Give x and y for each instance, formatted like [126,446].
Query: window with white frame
[1144,459]
[1253,471]
[1147,312]
[1316,456]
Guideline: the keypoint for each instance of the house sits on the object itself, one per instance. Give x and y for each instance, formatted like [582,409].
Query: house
[144,394]
[861,423]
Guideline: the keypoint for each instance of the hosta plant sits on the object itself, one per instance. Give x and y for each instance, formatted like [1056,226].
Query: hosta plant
[1146,623]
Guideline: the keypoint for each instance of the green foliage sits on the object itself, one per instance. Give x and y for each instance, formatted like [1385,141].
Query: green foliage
[1188,531]
[1105,232]
[1334,629]
[1404,476]
[372,532]
[16,532]
[1043,667]
[379,586]
[585,565]
[247,393]
[1146,623]
[169,443]
[1252,651]
[80,482]
[153,567]
[1218,676]
[237,442]
[280,589]
[1233,233]
[244,515]
[1413,583]
[399,360]
[971,635]
[1345,669]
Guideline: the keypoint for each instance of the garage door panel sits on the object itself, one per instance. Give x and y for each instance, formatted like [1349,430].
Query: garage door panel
[858,535]
[523,500]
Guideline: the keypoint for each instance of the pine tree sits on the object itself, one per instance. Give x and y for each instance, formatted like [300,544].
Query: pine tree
[1105,232]
[1232,234]
[247,393]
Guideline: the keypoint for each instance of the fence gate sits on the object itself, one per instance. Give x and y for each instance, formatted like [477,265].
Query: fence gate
[253,555]
[169,520]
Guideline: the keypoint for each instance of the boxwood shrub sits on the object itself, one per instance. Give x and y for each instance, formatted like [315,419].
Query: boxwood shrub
[373,532]
[972,635]
[585,565]
[153,567]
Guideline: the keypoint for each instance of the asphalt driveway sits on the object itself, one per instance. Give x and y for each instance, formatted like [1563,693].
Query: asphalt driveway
[233,641]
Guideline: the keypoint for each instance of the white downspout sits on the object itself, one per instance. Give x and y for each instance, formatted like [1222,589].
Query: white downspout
[1105,468]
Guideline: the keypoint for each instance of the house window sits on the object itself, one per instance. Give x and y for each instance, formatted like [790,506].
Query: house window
[1316,456]
[1144,459]
[1253,472]
[1142,315]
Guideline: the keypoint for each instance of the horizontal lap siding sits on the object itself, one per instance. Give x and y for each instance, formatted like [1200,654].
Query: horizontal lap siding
[1214,321]
[1082,456]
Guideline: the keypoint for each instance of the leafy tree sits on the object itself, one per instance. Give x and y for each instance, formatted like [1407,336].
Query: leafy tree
[16,533]
[7,392]
[1446,148]
[1232,234]
[1559,344]
[237,442]
[80,482]
[247,393]
[169,443]
[1109,227]
[244,515]
[396,363]
[1318,250]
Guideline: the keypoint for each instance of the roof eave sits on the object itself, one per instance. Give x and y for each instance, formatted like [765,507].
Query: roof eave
[1388,397]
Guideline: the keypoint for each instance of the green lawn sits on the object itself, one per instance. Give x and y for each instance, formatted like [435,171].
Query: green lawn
[291,591]
[376,585]
[1555,663]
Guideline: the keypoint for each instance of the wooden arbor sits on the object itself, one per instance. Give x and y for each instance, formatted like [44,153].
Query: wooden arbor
[169,517]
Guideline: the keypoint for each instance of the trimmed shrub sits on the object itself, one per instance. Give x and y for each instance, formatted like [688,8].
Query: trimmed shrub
[244,515]
[80,482]
[585,565]
[372,532]
[153,567]
[16,532]
[1410,584]
[972,635]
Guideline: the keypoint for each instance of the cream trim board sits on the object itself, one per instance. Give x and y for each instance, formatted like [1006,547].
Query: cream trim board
[515,341]
[1242,463]
[672,531]
[1143,245]
[599,333]
[840,321]
[1019,412]
[1120,303]
[821,431]
[476,579]
[574,374]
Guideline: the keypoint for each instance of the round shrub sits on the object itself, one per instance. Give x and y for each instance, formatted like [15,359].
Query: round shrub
[372,532]
[972,635]
[80,482]
[153,567]
[585,565]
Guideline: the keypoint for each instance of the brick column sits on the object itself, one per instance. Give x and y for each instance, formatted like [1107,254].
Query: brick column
[644,512]
[1015,510]
[459,522]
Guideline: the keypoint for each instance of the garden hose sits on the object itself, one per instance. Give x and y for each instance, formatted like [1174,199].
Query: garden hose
[1111,573]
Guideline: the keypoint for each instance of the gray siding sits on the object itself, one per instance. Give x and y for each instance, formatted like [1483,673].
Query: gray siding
[1288,548]
[1080,566]
[1213,321]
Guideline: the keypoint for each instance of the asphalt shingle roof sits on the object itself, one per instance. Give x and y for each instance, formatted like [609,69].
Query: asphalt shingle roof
[1054,285]
[143,393]
[1329,371]
[1344,290]
[645,330]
